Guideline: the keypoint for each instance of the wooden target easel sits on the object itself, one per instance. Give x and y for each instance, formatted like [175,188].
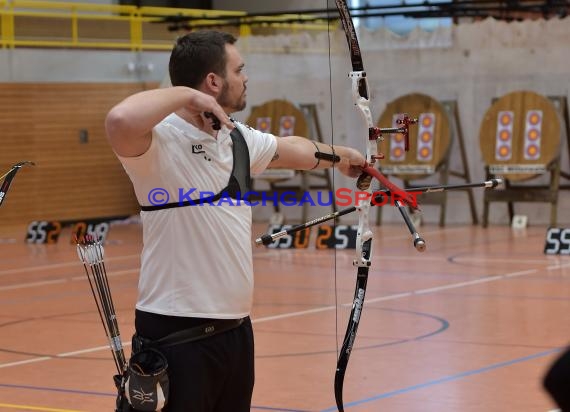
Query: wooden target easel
[430,147]
[283,118]
[520,140]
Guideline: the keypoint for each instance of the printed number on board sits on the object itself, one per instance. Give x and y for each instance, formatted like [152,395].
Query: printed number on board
[557,241]
[41,231]
[298,240]
[336,237]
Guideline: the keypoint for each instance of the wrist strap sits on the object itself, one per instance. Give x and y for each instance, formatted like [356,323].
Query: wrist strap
[328,157]
[318,155]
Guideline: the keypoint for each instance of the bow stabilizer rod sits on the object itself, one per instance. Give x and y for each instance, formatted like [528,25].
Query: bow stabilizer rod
[419,242]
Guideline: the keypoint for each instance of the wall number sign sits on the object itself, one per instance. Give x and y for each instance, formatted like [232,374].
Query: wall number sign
[42,231]
[48,231]
[298,240]
[328,237]
[557,241]
[336,237]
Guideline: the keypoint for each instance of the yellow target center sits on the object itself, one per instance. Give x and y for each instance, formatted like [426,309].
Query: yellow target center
[424,152]
[533,134]
[426,136]
[503,151]
[504,135]
[532,150]
[505,119]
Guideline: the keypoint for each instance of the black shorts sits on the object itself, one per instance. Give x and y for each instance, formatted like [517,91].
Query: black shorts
[215,374]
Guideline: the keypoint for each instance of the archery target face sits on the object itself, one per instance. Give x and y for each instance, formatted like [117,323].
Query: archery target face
[263,124]
[397,142]
[504,135]
[532,134]
[286,125]
[430,136]
[425,139]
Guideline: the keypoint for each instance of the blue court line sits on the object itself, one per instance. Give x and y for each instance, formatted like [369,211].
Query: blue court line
[79,392]
[42,388]
[444,325]
[446,379]
[333,409]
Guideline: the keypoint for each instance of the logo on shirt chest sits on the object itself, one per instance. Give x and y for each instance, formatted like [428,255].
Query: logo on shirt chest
[197,149]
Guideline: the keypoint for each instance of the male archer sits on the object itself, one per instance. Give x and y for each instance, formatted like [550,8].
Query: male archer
[196,263]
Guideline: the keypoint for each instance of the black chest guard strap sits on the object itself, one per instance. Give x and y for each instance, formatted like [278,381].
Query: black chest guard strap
[238,185]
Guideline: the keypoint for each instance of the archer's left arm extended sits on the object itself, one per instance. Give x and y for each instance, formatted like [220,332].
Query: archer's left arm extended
[300,153]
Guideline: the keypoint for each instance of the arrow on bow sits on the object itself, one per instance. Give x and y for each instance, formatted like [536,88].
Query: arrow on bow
[378,200]
[9,176]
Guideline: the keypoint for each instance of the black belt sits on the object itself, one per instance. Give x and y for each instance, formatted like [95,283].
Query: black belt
[205,330]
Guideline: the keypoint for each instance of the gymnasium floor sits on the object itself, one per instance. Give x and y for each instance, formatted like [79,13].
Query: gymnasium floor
[470,325]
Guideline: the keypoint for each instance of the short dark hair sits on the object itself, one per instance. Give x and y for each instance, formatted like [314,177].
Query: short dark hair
[196,54]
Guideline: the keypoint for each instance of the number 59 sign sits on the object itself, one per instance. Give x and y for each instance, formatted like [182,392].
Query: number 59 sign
[557,241]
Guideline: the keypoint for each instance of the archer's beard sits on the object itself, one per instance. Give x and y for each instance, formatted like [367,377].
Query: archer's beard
[232,105]
[239,105]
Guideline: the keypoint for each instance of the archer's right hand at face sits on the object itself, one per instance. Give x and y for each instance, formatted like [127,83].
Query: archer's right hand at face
[206,113]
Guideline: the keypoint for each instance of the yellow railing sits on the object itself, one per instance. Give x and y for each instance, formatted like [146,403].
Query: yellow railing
[29,23]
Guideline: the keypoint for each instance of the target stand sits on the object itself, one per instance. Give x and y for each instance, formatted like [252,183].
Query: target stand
[520,140]
[283,118]
[430,148]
